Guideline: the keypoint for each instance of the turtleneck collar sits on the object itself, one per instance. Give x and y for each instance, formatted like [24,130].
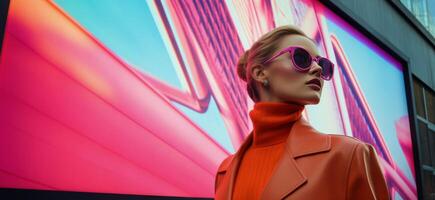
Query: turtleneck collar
[272,121]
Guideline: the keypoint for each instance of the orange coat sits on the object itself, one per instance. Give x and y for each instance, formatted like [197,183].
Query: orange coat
[314,166]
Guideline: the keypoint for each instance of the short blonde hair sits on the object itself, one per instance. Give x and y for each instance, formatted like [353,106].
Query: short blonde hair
[260,51]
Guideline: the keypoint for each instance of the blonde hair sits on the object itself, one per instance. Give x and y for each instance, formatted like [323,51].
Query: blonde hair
[260,51]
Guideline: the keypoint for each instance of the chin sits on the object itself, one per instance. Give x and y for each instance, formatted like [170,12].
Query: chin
[303,97]
[312,100]
[304,100]
[316,101]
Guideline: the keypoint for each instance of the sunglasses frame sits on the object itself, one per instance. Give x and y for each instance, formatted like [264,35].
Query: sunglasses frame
[316,59]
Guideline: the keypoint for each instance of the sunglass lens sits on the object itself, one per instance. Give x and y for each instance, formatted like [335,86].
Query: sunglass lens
[302,58]
[327,67]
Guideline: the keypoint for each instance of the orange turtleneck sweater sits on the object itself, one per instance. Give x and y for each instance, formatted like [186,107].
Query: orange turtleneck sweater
[272,122]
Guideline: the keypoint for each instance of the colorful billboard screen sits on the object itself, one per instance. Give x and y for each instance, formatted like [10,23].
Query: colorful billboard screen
[142,97]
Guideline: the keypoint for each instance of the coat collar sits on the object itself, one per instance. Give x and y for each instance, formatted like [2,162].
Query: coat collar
[303,140]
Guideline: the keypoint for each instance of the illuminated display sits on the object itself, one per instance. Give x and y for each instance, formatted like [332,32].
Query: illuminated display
[143,97]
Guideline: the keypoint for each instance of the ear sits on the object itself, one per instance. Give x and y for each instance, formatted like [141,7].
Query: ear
[259,73]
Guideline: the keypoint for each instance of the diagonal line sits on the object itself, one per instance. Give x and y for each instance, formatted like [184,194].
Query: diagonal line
[29,180]
[125,65]
[82,135]
[109,104]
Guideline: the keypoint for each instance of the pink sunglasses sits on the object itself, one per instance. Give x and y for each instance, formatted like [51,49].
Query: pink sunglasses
[302,61]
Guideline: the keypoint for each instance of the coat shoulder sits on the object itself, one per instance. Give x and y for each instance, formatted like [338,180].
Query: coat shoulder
[344,142]
[225,163]
[223,166]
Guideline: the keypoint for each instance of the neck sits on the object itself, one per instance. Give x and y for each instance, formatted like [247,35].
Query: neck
[272,121]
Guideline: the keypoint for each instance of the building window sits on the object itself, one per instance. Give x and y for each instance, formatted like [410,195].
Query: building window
[424,11]
[424,100]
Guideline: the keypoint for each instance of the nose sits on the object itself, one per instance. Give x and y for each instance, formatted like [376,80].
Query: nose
[316,69]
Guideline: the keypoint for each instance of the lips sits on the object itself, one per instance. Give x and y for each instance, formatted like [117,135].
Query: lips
[314,81]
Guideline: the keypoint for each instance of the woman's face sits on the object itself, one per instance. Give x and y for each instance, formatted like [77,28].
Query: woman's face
[287,84]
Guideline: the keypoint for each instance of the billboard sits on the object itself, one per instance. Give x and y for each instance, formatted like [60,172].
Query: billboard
[142,97]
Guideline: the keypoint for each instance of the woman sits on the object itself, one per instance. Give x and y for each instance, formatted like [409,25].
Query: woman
[284,157]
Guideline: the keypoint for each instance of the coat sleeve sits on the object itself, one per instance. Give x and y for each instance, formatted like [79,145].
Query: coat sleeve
[365,178]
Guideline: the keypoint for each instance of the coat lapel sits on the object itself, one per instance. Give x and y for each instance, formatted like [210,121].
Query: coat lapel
[303,140]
